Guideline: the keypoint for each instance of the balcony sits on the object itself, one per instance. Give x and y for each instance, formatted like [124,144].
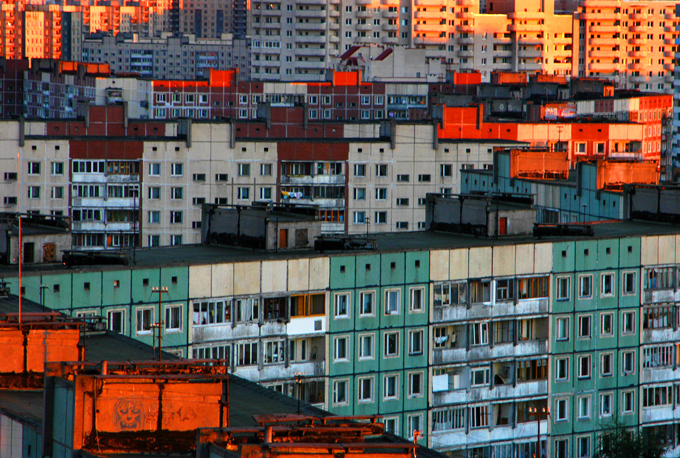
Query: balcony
[428,15]
[332,228]
[365,14]
[465,54]
[449,355]
[310,14]
[390,27]
[526,28]
[429,40]
[312,52]
[661,295]
[390,14]
[429,27]
[310,26]
[364,27]
[605,28]
[430,2]
[310,39]
[660,335]
[657,414]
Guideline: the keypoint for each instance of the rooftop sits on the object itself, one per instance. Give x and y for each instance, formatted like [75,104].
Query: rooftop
[187,255]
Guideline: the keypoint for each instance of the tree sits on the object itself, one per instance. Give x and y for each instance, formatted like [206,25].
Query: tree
[615,441]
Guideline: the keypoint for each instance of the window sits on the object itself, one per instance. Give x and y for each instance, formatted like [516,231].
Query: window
[505,290]
[448,419]
[57,168]
[479,334]
[221,177]
[562,369]
[246,354]
[154,169]
[415,384]
[243,194]
[628,362]
[607,285]
[585,288]
[57,192]
[177,169]
[144,320]
[154,193]
[365,389]
[154,240]
[359,193]
[563,288]
[627,401]
[628,326]
[366,346]
[403,178]
[175,217]
[562,409]
[367,304]
[381,170]
[199,177]
[584,366]
[480,291]
[584,327]
[266,170]
[154,217]
[415,342]
[659,278]
[606,369]
[34,192]
[583,407]
[479,417]
[360,217]
[391,344]
[607,325]
[392,305]
[390,387]
[274,352]
[629,283]
[341,349]
[359,170]
[417,295]
[175,239]
[340,392]
[381,194]
[244,170]
[425,178]
[341,306]
[479,376]
[173,318]
[34,168]
[116,321]
[533,287]
[176,193]
[415,423]
[532,369]
[606,405]
[583,447]
[562,325]
[504,331]
[265,193]
[561,448]
[658,356]
[446,170]
[380,217]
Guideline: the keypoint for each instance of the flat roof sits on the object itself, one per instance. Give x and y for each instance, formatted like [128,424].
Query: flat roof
[186,255]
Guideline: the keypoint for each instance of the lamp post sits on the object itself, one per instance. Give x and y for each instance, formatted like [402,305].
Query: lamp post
[160,290]
[42,296]
[299,377]
[533,411]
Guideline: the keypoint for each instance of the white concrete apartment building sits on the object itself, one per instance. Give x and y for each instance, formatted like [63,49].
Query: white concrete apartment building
[153,190]
[185,57]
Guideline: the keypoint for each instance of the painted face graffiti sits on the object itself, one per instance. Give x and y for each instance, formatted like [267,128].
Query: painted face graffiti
[129,414]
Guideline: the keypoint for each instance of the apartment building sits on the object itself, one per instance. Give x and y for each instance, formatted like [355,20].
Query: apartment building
[181,57]
[441,333]
[214,18]
[364,176]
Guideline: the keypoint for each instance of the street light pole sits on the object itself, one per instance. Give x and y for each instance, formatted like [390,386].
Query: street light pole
[160,290]
[533,411]
[299,377]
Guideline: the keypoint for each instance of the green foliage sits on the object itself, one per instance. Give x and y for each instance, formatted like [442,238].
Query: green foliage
[616,441]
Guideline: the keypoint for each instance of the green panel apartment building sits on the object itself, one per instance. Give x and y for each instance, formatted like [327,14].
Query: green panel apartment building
[461,338]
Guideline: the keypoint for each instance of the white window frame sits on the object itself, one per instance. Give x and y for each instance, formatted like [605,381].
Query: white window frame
[579,447]
[143,328]
[624,282]
[603,357]
[341,306]
[603,404]
[413,390]
[389,335]
[628,322]
[416,342]
[607,290]
[583,407]
[583,366]
[559,337]
[627,402]
[177,169]
[390,379]
[341,392]
[560,295]
[370,381]
[582,318]
[363,295]
[582,281]
[338,356]
[603,319]
[366,347]
[561,415]
[390,309]
[558,376]
[111,312]
[170,325]
[485,372]
[417,306]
